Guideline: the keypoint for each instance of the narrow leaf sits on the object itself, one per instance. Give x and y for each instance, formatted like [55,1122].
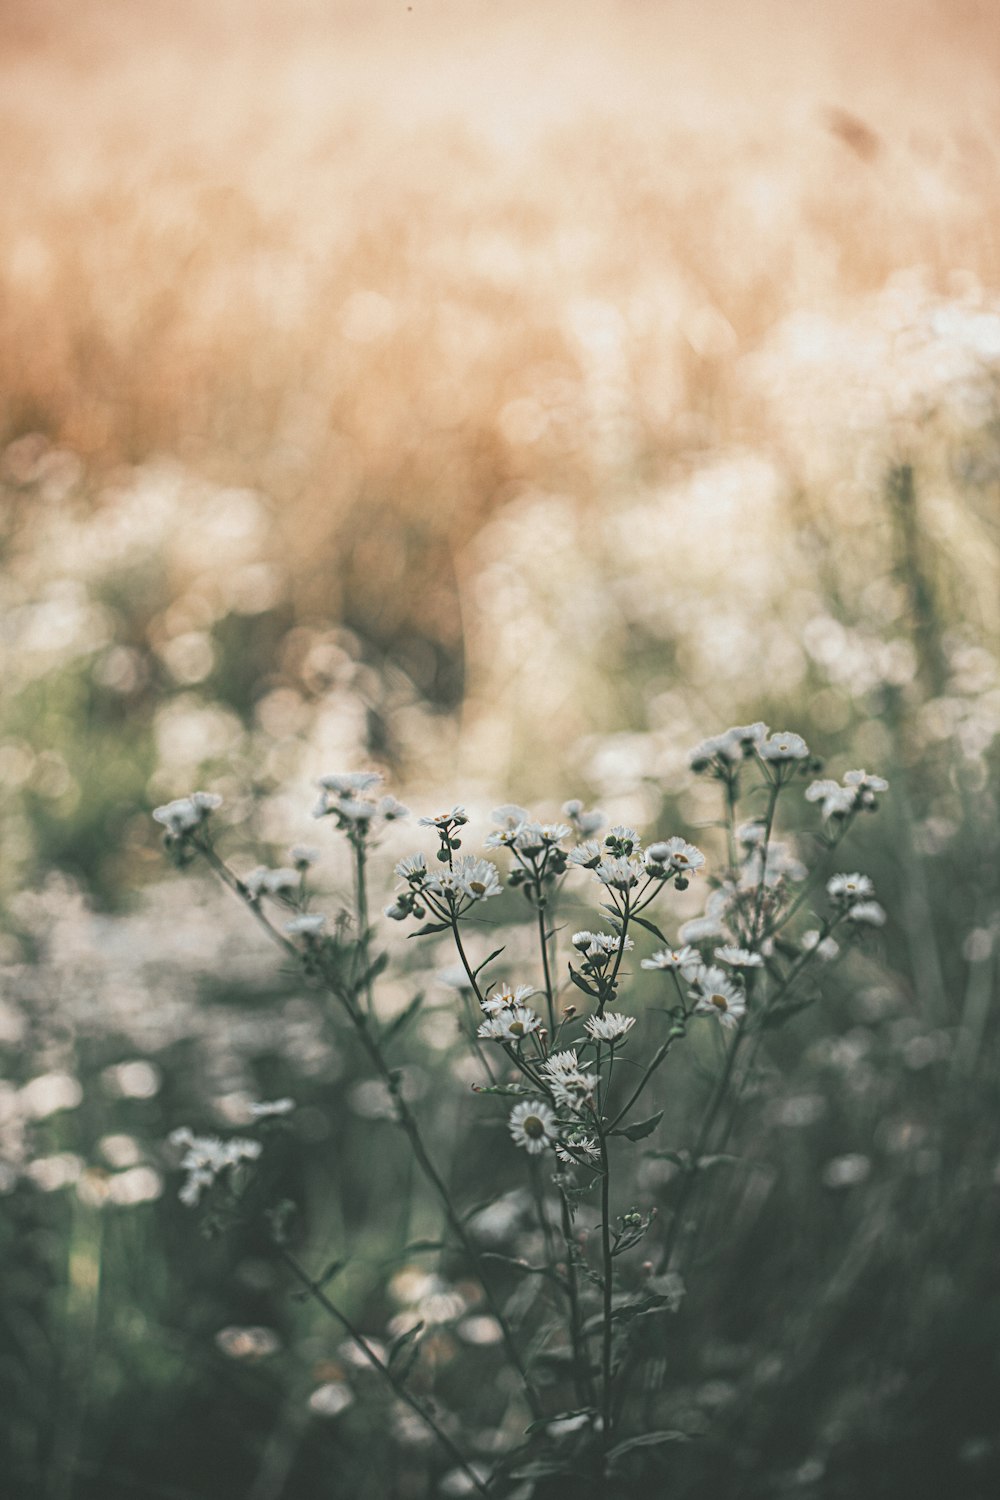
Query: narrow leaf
[430,927]
[646,1440]
[495,954]
[641,1128]
[405,1016]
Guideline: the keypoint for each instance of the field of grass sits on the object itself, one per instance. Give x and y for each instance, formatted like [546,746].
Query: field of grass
[505,397]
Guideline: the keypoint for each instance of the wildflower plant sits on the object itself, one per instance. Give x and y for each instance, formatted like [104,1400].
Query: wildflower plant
[566,1057]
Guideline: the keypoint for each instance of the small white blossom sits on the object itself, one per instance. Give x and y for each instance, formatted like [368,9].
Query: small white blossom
[576,1145]
[561,1064]
[610,1028]
[826,948]
[868,913]
[783,747]
[848,889]
[675,855]
[599,945]
[271,882]
[308,925]
[206,1158]
[303,855]
[720,751]
[348,783]
[837,800]
[504,997]
[718,995]
[585,823]
[457,817]
[588,855]
[477,878]
[509,1025]
[686,960]
[413,868]
[533,1126]
[738,958]
[391,810]
[187,813]
[269,1107]
[619,872]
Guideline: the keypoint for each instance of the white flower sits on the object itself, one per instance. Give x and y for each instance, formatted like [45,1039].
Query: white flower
[308,925]
[533,1126]
[599,945]
[783,747]
[848,889]
[588,855]
[505,998]
[571,1087]
[187,813]
[869,913]
[686,959]
[207,1157]
[391,810]
[413,868]
[864,782]
[273,882]
[718,995]
[739,958]
[826,948]
[562,1064]
[477,878]
[510,815]
[585,823]
[751,833]
[443,820]
[268,1107]
[676,855]
[837,800]
[619,871]
[303,855]
[719,751]
[610,1028]
[712,924]
[576,1145]
[509,1025]
[348,783]
[622,840]
[747,735]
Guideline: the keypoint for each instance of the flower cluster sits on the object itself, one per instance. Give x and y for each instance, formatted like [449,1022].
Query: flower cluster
[508,1019]
[207,1157]
[182,819]
[723,754]
[344,797]
[857,792]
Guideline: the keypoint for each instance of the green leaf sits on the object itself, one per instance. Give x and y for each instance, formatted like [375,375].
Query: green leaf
[582,984]
[400,1344]
[429,928]
[646,1440]
[641,1128]
[651,927]
[405,1016]
[495,954]
[327,1276]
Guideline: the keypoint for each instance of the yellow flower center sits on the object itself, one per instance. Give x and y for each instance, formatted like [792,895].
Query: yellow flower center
[719,1001]
[534,1127]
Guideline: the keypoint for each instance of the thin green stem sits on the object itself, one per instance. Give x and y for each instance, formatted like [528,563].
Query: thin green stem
[607,1289]
[387,1373]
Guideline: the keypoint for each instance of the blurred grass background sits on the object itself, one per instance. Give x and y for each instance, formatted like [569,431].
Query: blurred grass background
[507,396]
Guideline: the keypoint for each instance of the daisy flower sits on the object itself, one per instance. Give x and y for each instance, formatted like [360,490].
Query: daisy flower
[609,1028]
[533,1126]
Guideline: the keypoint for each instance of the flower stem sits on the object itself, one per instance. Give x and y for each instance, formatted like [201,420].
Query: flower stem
[358,1339]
